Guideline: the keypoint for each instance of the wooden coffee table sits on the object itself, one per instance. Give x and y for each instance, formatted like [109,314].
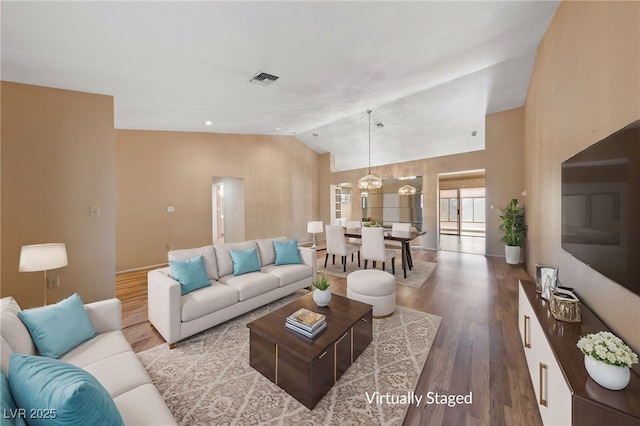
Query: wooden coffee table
[306,369]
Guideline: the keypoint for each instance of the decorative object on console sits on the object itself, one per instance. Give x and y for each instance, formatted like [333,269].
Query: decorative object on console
[607,359]
[43,257]
[315,227]
[515,230]
[539,269]
[321,293]
[548,281]
[370,181]
[565,306]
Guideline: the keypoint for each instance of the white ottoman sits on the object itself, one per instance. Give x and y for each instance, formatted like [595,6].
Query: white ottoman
[375,287]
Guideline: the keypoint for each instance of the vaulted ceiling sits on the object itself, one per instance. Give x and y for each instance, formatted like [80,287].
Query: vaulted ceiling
[430,71]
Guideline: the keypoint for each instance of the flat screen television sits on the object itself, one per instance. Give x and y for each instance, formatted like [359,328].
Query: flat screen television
[601,206]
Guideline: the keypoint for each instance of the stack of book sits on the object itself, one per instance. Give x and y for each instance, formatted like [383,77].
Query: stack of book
[306,322]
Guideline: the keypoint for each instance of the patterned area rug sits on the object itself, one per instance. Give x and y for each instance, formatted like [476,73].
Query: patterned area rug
[416,277]
[207,379]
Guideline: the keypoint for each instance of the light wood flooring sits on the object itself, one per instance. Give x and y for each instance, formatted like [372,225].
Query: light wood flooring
[477,348]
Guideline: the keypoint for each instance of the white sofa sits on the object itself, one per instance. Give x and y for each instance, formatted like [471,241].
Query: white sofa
[177,316]
[107,356]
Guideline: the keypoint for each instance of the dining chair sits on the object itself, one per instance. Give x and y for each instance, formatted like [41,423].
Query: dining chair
[354,225]
[373,248]
[404,227]
[336,245]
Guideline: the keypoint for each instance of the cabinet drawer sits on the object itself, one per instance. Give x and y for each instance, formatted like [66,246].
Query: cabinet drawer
[362,335]
[342,354]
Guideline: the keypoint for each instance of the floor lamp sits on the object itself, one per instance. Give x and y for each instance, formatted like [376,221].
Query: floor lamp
[43,257]
[314,228]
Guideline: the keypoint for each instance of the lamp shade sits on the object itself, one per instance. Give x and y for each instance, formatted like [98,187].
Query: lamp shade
[43,257]
[315,227]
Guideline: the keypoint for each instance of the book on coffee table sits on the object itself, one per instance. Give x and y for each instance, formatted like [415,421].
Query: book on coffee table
[306,320]
[304,332]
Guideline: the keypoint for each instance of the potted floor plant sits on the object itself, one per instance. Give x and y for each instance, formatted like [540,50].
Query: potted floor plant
[515,231]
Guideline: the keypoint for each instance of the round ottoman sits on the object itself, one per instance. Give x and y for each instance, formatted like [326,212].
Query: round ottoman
[377,288]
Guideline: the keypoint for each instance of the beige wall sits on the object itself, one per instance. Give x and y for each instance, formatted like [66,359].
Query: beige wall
[501,159]
[585,85]
[156,169]
[57,162]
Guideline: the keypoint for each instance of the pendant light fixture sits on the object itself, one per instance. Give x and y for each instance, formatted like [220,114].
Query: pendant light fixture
[370,181]
[407,190]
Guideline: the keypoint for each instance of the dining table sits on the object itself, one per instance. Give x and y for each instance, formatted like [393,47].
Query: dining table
[404,237]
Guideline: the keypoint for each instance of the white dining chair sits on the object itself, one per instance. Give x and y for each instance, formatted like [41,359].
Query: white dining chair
[403,227]
[373,248]
[354,225]
[336,245]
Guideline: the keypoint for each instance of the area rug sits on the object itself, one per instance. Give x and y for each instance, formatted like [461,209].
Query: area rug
[416,277]
[207,379]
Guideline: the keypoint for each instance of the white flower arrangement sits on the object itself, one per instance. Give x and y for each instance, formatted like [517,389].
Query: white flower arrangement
[608,348]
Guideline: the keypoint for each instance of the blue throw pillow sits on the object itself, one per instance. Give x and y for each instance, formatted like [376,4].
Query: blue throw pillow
[244,261]
[56,329]
[11,416]
[66,394]
[191,274]
[286,252]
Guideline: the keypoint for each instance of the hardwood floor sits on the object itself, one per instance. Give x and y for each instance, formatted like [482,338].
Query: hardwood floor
[477,348]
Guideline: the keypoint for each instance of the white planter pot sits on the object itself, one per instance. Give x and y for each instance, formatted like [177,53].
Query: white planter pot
[321,297]
[607,376]
[512,254]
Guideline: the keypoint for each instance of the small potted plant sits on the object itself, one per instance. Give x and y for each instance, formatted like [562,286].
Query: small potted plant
[607,359]
[515,230]
[321,293]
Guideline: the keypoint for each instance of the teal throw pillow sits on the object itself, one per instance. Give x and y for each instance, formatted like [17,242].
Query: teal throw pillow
[54,392]
[191,274]
[286,252]
[11,416]
[56,329]
[244,261]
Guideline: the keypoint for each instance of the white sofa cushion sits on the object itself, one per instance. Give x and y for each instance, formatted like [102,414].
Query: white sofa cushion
[251,284]
[266,251]
[206,300]
[288,274]
[144,406]
[223,259]
[207,254]
[14,333]
[102,346]
[119,373]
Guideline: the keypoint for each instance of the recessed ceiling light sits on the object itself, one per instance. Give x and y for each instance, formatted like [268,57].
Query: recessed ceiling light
[208,123]
[278,128]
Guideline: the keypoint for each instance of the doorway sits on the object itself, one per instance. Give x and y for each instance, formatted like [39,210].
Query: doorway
[462,217]
[227,209]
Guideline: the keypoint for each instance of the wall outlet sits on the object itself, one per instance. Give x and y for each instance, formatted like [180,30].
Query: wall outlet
[53,282]
[94,211]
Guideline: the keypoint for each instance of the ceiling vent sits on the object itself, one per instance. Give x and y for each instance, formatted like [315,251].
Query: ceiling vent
[263,79]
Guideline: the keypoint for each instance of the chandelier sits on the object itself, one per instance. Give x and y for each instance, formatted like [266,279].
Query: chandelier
[370,181]
[407,190]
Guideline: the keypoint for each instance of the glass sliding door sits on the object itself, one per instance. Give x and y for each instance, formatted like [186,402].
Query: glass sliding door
[449,212]
[472,212]
[462,211]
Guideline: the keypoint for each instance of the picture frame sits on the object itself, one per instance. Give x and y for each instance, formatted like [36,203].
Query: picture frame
[546,280]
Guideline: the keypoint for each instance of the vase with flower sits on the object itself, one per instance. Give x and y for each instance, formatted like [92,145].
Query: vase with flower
[607,359]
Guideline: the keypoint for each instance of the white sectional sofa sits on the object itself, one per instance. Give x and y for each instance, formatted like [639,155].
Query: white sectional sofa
[107,356]
[178,316]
